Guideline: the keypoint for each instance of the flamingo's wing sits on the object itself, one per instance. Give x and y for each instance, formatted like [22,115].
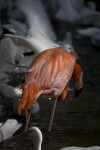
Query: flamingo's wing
[53,68]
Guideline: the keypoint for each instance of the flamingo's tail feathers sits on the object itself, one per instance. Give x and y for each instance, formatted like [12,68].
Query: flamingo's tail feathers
[23,99]
[27,99]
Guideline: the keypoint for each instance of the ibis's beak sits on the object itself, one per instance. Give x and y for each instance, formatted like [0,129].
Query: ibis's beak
[78,92]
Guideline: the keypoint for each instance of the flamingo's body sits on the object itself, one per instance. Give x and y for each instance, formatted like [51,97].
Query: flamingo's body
[50,72]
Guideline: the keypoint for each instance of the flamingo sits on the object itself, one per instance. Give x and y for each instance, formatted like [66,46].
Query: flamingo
[36,135]
[50,72]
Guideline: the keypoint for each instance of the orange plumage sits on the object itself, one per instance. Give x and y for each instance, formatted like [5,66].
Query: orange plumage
[49,72]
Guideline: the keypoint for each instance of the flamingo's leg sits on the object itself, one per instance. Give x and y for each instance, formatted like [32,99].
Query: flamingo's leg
[52,114]
[28,119]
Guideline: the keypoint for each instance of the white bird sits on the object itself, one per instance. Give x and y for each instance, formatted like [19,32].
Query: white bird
[78,5]
[75,11]
[19,25]
[88,9]
[37,138]
[10,53]
[40,44]
[7,53]
[67,42]
[9,28]
[34,133]
[88,32]
[37,18]
[8,128]
[40,35]
[95,40]
[40,30]
[16,14]
[36,44]
[67,12]
[82,148]
[9,91]
[89,15]
[4,77]
[23,60]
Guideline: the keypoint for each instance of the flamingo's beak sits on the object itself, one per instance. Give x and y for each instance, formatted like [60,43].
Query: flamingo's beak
[78,92]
